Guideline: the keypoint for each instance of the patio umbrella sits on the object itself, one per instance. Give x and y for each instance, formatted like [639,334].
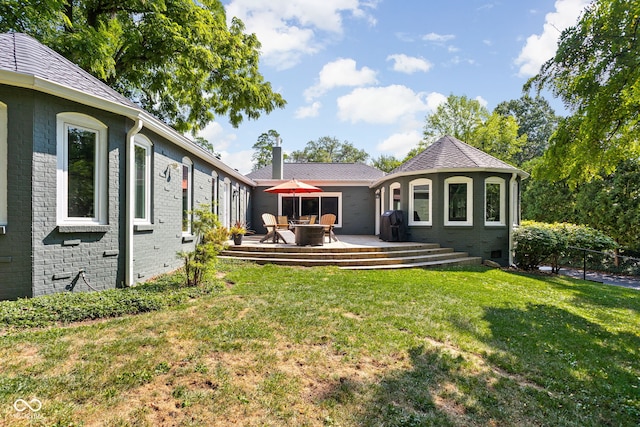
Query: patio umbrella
[293,187]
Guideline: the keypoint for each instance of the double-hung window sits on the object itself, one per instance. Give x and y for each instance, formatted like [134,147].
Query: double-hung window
[458,201]
[187,189]
[142,199]
[81,170]
[494,201]
[420,202]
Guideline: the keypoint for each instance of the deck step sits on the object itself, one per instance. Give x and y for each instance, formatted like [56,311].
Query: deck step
[421,255]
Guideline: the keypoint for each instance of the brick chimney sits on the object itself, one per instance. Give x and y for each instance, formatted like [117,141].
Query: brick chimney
[277,165]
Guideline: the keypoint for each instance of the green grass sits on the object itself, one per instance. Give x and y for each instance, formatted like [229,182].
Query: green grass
[321,346]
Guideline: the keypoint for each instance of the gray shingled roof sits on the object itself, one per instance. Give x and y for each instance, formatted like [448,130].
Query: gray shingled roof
[322,172]
[451,153]
[25,55]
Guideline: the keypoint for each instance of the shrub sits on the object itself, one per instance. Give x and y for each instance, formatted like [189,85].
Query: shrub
[537,242]
[210,239]
[160,293]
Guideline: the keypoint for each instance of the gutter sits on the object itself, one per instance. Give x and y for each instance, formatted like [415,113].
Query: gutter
[388,177]
[129,202]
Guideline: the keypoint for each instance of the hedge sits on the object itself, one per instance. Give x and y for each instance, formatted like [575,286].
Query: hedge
[536,243]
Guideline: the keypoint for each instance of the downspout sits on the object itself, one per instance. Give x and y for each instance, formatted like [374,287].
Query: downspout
[129,204]
[513,198]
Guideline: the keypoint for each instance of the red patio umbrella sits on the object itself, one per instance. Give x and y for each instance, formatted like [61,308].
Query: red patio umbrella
[292,187]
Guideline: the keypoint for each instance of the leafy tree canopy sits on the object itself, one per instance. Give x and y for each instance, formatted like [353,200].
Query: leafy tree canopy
[536,119]
[596,72]
[176,58]
[469,121]
[263,149]
[329,150]
[386,163]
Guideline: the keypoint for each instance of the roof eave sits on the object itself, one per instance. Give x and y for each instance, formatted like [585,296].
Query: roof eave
[29,81]
[317,182]
[519,172]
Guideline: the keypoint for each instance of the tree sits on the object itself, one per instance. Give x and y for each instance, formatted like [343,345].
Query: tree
[498,136]
[386,163]
[467,120]
[536,119]
[596,72]
[329,150]
[459,117]
[612,204]
[176,58]
[263,149]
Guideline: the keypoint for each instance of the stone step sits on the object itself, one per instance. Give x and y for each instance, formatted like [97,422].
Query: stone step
[433,264]
[335,255]
[284,248]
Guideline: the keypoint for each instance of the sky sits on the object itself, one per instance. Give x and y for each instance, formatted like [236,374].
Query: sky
[370,71]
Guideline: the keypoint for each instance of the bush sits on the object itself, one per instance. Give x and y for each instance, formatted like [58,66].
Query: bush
[537,242]
[165,291]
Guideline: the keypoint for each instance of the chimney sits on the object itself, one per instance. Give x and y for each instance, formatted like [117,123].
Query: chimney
[277,166]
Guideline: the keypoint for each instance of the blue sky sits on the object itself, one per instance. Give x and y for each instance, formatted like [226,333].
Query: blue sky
[369,71]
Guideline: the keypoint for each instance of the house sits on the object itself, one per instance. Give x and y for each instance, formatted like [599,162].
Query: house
[95,189]
[90,183]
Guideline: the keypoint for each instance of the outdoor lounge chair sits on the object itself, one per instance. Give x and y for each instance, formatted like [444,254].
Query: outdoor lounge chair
[328,220]
[274,232]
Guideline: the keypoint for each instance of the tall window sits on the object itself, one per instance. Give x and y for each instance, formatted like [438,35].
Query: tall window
[316,204]
[4,154]
[420,202]
[82,169]
[142,198]
[394,196]
[187,187]
[494,201]
[458,201]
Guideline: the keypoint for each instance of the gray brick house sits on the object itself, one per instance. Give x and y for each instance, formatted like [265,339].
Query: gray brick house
[91,183]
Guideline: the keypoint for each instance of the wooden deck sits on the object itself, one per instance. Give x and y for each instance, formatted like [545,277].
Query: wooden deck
[350,252]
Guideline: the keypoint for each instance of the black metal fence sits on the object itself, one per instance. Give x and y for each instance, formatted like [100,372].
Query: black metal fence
[608,262]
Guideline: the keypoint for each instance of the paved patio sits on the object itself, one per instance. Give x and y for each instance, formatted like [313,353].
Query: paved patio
[344,241]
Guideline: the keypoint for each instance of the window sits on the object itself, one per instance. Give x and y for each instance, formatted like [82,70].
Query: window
[420,202]
[394,196]
[82,169]
[312,204]
[494,201]
[187,186]
[458,201]
[142,197]
[4,153]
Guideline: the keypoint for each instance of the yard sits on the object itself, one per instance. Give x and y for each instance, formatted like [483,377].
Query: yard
[320,346]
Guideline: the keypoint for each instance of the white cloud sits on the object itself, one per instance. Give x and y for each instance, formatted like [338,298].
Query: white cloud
[308,111]
[238,160]
[482,101]
[216,135]
[409,64]
[438,38]
[541,47]
[434,99]
[342,72]
[399,144]
[382,105]
[289,30]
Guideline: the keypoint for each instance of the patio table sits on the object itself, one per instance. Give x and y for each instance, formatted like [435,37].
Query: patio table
[309,234]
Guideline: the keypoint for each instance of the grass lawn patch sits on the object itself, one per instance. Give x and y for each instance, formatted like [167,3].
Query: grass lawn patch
[322,346]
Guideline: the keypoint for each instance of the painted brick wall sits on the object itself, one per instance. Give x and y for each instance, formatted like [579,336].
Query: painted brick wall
[15,245]
[59,257]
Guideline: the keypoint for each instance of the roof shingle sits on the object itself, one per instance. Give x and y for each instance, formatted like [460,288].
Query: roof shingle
[322,172]
[451,153]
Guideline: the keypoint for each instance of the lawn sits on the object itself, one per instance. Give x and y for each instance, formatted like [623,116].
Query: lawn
[284,346]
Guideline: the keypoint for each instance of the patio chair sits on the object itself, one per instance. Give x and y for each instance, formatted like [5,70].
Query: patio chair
[312,219]
[273,232]
[283,222]
[328,220]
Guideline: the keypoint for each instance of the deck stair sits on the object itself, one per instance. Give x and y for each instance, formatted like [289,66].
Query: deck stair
[353,257]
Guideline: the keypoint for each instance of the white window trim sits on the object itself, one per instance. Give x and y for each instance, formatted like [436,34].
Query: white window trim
[501,182]
[4,165]
[144,142]
[214,192]
[391,188]
[412,185]
[310,195]
[459,180]
[188,163]
[515,204]
[63,121]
